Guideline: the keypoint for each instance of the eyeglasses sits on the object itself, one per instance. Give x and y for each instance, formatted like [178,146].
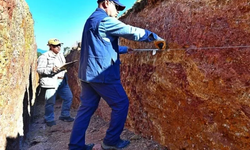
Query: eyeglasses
[54,46]
[116,6]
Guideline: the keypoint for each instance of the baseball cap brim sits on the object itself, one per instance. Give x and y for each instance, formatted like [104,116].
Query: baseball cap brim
[121,6]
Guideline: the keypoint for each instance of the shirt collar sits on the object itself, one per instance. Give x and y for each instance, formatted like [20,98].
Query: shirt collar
[100,9]
[51,53]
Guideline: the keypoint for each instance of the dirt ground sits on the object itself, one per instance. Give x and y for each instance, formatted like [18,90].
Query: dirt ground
[42,137]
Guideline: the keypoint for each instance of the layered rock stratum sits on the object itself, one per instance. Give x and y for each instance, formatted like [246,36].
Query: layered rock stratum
[196,94]
[18,78]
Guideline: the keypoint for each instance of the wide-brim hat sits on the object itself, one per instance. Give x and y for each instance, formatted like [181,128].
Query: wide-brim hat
[117,2]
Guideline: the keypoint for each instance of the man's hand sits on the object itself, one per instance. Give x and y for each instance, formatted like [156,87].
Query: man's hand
[55,69]
[160,44]
[130,50]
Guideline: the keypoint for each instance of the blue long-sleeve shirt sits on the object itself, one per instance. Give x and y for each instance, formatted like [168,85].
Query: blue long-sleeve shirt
[99,60]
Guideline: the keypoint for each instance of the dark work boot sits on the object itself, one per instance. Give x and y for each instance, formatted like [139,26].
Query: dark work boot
[66,119]
[89,147]
[51,123]
[121,144]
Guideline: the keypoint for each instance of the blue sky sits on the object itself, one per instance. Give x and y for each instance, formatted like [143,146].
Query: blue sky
[62,19]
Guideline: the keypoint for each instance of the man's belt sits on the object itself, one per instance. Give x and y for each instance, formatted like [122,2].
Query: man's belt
[51,76]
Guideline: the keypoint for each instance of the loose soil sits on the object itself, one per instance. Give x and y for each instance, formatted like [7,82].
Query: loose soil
[42,137]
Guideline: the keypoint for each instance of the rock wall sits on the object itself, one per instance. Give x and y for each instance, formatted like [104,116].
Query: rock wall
[72,73]
[191,97]
[196,95]
[18,78]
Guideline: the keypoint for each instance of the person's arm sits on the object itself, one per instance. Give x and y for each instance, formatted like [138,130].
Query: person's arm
[42,68]
[114,27]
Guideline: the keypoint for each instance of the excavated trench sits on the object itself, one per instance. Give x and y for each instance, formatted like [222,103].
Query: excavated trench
[195,95]
[42,137]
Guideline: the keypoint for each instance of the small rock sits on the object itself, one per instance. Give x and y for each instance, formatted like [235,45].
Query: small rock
[38,139]
[135,137]
[97,147]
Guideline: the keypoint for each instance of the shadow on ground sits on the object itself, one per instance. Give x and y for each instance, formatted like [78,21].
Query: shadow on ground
[42,137]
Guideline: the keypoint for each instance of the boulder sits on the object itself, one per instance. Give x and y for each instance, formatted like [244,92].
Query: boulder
[18,78]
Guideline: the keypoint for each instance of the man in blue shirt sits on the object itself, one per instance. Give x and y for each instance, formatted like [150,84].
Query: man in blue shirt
[99,73]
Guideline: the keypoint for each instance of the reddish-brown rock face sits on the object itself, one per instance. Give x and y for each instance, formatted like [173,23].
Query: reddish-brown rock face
[191,98]
[187,98]
[18,80]
[73,80]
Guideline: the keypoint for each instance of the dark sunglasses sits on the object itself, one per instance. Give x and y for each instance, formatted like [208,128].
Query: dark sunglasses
[116,6]
[56,45]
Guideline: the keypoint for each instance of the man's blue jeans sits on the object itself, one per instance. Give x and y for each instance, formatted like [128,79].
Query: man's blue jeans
[65,93]
[117,99]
